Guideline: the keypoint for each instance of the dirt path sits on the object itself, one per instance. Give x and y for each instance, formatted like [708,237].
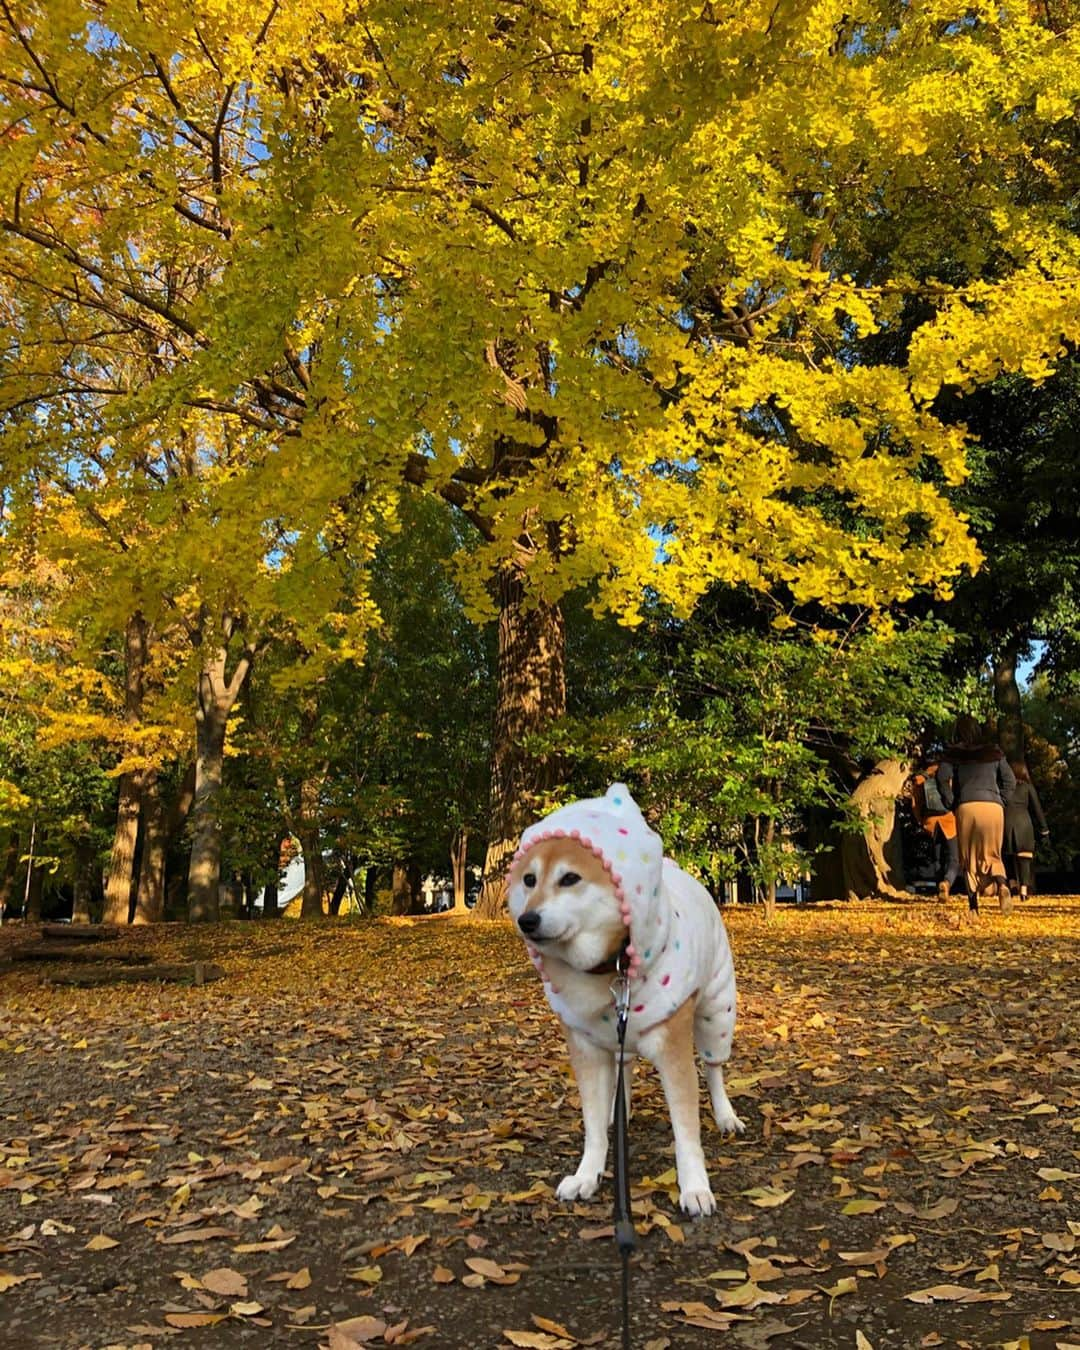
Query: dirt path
[367,1121]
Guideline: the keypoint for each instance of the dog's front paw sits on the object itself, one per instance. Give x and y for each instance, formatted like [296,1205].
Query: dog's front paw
[697,1202]
[578,1186]
[729,1123]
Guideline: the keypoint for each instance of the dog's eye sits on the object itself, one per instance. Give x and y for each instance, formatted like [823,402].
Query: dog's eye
[529,879]
[569,879]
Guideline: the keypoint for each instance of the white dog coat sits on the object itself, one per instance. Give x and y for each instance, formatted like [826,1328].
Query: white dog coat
[678,944]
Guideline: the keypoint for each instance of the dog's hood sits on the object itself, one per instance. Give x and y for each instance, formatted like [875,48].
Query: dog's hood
[614,829]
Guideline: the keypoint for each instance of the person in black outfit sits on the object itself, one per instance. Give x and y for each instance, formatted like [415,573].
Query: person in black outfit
[1023,811]
[976,782]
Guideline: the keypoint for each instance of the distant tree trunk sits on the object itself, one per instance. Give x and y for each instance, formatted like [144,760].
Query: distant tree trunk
[400,890]
[341,886]
[35,888]
[8,874]
[270,890]
[459,852]
[150,896]
[531,695]
[84,879]
[873,862]
[1007,701]
[827,868]
[406,895]
[768,890]
[181,807]
[217,692]
[231,898]
[371,888]
[120,879]
[307,818]
[307,831]
[204,869]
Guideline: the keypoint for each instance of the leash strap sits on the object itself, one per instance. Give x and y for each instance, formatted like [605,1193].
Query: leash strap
[625,1237]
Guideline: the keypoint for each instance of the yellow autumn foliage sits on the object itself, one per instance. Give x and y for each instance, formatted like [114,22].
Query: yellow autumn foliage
[601,273]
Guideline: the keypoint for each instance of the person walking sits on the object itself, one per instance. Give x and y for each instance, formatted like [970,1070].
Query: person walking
[976,781]
[940,824]
[1023,811]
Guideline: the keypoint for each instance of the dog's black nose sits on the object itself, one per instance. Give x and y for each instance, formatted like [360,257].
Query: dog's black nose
[529,922]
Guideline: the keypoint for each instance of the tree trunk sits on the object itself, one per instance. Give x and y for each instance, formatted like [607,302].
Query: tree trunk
[401,890]
[120,881]
[150,897]
[459,851]
[371,888]
[84,879]
[341,888]
[8,875]
[34,889]
[827,867]
[204,869]
[531,695]
[181,807]
[231,898]
[270,890]
[768,890]
[217,693]
[307,831]
[873,864]
[1007,702]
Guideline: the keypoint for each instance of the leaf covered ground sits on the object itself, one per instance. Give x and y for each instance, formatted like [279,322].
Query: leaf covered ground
[354,1138]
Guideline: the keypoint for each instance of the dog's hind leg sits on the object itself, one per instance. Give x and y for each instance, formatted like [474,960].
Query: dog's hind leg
[723,1111]
[714,1024]
[670,1047]
[594,1070]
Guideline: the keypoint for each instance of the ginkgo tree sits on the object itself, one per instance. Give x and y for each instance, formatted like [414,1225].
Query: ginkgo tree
[600,275]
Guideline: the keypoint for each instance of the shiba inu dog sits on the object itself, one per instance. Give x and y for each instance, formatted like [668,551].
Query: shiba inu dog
[590,885]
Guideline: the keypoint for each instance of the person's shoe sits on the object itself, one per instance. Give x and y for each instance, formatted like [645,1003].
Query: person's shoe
[1005,897]
[973,903]
[943,890]
[1023,892]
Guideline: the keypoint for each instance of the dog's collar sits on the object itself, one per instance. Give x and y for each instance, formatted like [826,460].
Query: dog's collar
[614,965]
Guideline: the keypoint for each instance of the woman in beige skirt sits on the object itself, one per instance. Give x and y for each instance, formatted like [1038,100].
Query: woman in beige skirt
[976,781]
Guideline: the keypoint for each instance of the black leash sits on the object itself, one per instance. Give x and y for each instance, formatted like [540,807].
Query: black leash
[625,1237]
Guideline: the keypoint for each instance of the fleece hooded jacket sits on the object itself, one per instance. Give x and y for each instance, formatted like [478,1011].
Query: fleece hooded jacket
[678,944]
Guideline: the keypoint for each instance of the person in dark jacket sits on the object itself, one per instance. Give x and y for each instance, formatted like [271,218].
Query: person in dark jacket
[976,781]
[1023,812]
[940,824]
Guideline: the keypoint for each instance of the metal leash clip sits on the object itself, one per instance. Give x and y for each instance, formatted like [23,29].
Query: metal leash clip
[620,995]
[620,986]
